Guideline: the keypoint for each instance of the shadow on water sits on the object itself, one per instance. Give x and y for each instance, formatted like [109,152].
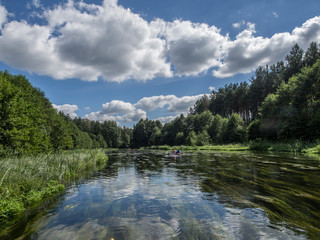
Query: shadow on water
[154,195]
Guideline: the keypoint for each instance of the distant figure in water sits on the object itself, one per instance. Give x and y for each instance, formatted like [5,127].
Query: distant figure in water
[173,151]
[178,152]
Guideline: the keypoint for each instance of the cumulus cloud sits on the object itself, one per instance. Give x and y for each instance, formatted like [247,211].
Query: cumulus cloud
[67,109]
[133,116]
[175,104]
[247,52]
[121,111]
[194,48]
[183,104]
[86,41]
[117,111]
[108,41]
[116,107]
[152,103]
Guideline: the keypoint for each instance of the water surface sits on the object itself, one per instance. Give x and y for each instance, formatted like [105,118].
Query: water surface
[153,195]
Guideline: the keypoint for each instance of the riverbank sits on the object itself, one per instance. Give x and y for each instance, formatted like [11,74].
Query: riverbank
[26,180]
[260,146]
[229,147]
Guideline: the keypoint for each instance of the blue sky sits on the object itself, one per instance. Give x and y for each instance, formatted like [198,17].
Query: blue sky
[125,60]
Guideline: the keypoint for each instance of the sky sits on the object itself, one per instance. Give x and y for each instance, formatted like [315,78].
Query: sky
[126,60]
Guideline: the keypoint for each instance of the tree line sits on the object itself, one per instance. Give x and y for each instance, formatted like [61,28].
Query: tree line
[29,124]
[280,102]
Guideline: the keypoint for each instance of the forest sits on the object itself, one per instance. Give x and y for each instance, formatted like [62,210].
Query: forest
[29,124]
[280,102]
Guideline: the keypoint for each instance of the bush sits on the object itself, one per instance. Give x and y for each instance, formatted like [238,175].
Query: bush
[259,145]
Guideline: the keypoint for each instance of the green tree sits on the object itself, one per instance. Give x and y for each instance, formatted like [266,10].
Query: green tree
[202,121]
[254,130]
[156,136]
[236,130]
[126,137]
[101,142]
[215,129]
[201,105]
[292,111]
[139,135]
[312,54]
[179,139]
[191,139]
[294,62]
[202,138]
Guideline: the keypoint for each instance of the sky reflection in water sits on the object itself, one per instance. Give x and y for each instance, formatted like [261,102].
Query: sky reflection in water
[151,195]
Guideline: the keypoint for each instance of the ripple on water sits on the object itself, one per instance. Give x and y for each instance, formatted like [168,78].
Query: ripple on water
[145,195]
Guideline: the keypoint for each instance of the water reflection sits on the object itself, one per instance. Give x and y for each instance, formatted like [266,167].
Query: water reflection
[152,195]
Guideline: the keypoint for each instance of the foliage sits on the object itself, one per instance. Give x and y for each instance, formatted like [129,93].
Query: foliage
[294,109]
[29,124]
[236,130]
[27,180]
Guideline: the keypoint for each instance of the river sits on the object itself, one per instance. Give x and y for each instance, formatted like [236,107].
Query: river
[154,195]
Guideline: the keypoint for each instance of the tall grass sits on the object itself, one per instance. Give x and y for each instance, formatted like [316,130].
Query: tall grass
[226,147]
[296,146]
[25,180]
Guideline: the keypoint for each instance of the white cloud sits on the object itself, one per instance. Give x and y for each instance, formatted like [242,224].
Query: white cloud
[111,40]
[194,48]
[86,41]
[67,109]
[183,104]
[152,103]
[91,41]
[36,3]
[275,14]
[117,107]
[133,116]
[238,24]
[3,15]
[117,110]
[175,104]
[167,119]
[212,88]
[247,52]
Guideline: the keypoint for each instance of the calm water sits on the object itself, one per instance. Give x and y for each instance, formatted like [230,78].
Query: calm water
[152,195]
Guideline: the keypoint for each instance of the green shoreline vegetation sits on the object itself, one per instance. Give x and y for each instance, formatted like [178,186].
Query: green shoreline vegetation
[27,180]
[258,145]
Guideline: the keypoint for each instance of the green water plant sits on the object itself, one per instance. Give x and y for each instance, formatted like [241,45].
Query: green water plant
[26,180]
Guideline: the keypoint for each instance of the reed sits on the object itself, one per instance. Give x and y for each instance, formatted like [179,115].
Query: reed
[226,147]
[26,180]
[294,146]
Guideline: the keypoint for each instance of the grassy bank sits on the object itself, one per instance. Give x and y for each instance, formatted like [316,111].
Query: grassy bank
[229,147]
[259,145]
[25,181]
[295,146]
